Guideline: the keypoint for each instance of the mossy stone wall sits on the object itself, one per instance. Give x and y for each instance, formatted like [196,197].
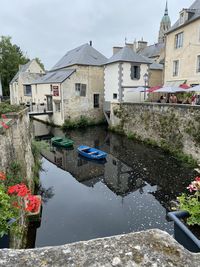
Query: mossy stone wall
[171,126]
[15,145]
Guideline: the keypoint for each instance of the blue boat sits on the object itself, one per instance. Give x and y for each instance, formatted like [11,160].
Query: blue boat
[91,153]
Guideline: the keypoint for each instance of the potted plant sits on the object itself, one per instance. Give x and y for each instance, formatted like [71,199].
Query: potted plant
[188,218]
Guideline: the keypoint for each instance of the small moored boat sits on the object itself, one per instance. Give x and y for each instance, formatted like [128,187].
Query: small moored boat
[91,153]
[61,141]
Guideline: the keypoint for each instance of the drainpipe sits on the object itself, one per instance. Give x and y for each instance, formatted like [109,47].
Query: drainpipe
[62,107]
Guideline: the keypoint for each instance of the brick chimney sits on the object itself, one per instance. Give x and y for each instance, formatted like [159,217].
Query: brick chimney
[142,44]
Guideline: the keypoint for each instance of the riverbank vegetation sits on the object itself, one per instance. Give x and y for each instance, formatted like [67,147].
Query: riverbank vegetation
[82,122]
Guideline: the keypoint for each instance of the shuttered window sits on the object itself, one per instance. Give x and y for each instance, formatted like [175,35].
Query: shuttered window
[135,72]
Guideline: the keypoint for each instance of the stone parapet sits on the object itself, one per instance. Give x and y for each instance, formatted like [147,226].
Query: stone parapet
[147,248]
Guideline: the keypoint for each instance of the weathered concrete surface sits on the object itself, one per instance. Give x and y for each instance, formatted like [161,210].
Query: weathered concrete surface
[149,248]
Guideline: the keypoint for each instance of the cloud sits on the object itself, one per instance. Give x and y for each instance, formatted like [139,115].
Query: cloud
[49,28]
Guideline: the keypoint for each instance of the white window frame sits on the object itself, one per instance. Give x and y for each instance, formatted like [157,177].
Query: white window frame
[80,89]
[25,88]
[57,106]
[198,64]
[178,40]
[176,65]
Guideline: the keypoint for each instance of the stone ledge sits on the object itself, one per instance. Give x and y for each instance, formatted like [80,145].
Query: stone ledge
[183,106]
[148,248]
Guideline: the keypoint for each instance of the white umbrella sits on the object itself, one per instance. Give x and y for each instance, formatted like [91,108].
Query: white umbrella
[194,89]
[170,89]
[139,89]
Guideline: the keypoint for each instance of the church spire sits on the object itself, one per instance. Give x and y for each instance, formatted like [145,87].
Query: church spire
[166,9]
[165,25]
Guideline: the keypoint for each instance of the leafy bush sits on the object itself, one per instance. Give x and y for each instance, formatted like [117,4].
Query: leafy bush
[82,122]
[191,203]
[6,210]
[6,108]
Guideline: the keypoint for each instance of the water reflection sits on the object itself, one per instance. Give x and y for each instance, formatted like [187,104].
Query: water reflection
[130,191]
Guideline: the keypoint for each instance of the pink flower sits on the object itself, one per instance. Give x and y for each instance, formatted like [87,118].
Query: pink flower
[191,188]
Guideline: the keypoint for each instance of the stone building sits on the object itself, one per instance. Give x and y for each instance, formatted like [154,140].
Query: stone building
[123,73]
[73,87]
[20,85]
[182,61]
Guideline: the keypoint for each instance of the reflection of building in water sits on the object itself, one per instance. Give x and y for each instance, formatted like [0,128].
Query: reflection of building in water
[117,176]
[120,178]
[41,130]
[80,168]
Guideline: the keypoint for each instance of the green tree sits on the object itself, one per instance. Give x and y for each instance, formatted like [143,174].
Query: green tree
[40,63]
[11,56]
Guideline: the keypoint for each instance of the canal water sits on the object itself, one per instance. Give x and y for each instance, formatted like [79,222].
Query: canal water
[82,200]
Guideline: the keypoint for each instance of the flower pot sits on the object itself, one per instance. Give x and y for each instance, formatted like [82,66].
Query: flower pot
[182,234]
[35,216]
[4,241]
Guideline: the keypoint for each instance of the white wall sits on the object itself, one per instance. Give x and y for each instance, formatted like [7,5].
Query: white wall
[111,82]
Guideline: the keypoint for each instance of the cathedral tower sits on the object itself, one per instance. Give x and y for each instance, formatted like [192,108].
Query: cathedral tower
[165,25]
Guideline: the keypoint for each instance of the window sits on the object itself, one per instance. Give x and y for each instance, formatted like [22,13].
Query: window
[182,17]
[179,40]
[175,67]
[199,34]
[198,63]
[80,89]
[96,100]
[57,106]
[135,72]
[27,90]
[114,96]
[55,90]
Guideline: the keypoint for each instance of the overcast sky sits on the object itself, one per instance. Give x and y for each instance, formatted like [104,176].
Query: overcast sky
[49,28]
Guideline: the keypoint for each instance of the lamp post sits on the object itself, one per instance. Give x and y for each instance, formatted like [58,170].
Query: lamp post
[146,78]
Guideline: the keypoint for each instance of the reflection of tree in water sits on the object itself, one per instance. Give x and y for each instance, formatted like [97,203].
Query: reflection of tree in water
[46,194]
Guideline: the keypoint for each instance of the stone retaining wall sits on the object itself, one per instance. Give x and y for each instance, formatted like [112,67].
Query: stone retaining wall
[149,248]
[15,144]
[176,127]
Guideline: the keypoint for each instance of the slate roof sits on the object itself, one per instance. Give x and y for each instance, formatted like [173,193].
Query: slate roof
[58,76]
[195,7]
[23,68]
[152,50]
[126,54]
[82,55]
[29,78]
[156,66]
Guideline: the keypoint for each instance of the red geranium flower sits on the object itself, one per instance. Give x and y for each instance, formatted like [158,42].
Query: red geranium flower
[33,203]
[20,190]
[197,179]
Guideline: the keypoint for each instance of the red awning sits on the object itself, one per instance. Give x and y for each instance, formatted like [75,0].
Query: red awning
[153,89]
[184,86]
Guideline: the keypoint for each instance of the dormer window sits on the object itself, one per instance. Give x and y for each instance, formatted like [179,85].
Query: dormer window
[182,17]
